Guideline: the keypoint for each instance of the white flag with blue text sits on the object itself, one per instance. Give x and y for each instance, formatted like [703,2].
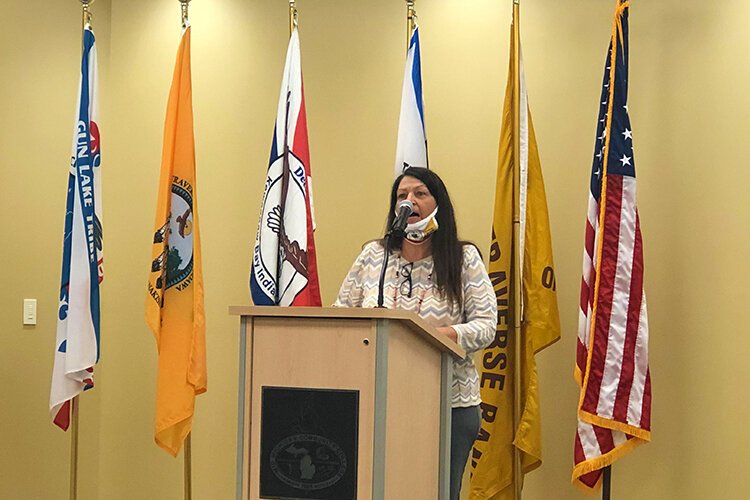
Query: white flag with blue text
[411,150]
[77,340]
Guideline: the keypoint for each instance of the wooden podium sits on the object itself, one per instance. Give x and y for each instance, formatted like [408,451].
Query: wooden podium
[341,403]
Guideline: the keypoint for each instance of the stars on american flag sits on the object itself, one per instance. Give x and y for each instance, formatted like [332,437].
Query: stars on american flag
[614,139]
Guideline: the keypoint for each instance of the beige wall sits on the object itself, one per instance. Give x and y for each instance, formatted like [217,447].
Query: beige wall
[688,105]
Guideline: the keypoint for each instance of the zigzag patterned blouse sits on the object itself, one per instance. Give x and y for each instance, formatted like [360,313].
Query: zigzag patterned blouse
[409,286]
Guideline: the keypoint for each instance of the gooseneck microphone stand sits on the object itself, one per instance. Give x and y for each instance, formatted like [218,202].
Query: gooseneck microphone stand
[386,254]
[394,231]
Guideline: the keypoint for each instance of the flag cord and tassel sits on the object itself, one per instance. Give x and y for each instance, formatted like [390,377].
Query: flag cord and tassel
[517,311]
[292,16]
[74,449]
[184,13]
[411,21]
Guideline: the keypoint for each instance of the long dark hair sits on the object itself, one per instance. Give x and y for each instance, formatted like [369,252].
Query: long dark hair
[447,249]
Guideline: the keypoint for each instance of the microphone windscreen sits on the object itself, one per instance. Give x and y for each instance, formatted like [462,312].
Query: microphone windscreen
[405,203]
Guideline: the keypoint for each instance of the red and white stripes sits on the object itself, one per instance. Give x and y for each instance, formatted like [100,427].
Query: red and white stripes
[612,353]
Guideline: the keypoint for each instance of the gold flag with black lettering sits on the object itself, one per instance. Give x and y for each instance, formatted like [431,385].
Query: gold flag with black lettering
[492,456]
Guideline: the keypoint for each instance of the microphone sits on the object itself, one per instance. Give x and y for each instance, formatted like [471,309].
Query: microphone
[405,208]
[398,226]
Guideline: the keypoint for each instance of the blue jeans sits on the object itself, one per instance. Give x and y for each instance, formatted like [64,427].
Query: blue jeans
[464,429]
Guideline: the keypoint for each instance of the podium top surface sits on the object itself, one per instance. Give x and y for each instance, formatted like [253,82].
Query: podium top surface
[420,326]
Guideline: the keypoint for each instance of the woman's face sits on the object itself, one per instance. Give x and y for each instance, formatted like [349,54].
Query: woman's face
[414,190]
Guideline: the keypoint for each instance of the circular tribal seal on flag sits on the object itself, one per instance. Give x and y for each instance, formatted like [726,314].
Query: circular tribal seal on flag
[175,262]
[180,243]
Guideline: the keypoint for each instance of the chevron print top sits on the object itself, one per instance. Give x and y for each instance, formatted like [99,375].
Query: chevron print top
[475,321]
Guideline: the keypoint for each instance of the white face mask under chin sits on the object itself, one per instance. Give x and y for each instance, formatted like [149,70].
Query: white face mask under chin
[420,230]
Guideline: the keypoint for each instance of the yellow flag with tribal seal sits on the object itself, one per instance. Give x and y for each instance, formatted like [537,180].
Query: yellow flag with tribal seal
[174,302]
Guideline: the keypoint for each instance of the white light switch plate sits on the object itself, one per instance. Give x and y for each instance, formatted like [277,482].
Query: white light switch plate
[29,311]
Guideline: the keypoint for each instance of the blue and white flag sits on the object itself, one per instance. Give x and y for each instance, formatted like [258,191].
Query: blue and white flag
[77,342]
[412,139]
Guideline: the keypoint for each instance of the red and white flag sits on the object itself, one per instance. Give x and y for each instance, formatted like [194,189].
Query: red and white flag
[284,270]
[614,410]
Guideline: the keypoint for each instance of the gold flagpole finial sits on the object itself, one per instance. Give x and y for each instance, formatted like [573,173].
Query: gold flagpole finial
[292,16]
[85,4]
[184,9]
[411,21]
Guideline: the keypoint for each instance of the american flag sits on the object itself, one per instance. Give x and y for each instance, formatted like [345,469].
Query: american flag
[614,410]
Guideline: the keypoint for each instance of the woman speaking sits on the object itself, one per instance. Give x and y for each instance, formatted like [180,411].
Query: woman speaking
[440,278]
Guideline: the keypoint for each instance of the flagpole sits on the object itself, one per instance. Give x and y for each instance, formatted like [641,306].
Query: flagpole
[517,473]
[411,15]
[73,487]
[607,479]
[187,454]
[607,482]
[74,449]
[292,16]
